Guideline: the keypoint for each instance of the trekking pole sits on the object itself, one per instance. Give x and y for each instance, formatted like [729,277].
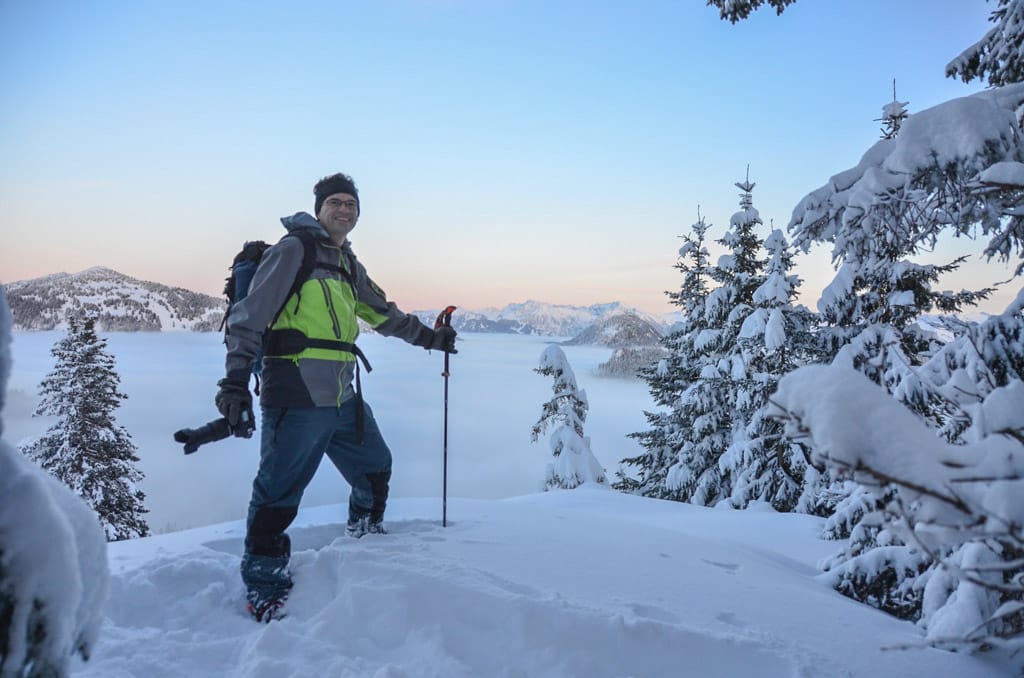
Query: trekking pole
[444,319]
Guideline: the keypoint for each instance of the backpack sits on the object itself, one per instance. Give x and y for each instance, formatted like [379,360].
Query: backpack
[243,268]
[236,288]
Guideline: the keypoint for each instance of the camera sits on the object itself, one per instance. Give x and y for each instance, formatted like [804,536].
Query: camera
[211,432]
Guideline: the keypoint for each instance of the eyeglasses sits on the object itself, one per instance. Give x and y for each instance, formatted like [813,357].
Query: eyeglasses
[335,203]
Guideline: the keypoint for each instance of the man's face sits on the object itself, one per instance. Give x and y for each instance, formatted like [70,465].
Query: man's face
[338,215]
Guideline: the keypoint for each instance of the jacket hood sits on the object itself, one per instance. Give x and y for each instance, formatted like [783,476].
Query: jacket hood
[301,220]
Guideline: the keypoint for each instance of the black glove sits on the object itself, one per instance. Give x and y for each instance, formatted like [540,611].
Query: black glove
[443,340]
[235,404]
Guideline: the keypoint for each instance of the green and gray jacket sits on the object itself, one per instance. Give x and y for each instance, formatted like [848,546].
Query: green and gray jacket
[326,307]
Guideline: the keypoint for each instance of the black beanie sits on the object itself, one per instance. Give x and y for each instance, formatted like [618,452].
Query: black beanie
[328,186]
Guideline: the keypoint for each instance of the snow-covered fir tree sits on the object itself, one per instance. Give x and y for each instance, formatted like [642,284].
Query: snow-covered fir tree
[85,448]
[775,338]
[669,378]
[935,528]
[931,537]
[574,463]
[879,216]
[711,442]
[53,560]
[698,476]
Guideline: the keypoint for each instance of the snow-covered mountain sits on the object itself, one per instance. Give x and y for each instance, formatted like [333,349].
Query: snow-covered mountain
[477,321]
[539,318]
[123,303]
[636,340]
[620,330]
[128,304]
[556,319]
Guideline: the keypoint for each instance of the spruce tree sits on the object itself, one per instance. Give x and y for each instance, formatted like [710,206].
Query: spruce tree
[670,377]
[775,338]
[870,311]
[567,411]
[907,194]
[711,401]
[713,441]
[85,448]
[924,543]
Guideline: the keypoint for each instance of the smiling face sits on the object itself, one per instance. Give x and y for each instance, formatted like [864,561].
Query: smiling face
[338,216]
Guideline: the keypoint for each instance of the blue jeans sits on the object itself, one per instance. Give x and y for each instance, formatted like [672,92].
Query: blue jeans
[293,441]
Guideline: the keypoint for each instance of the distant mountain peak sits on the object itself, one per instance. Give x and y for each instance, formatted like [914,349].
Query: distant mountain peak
[121,302]
[537,317]
[620,330]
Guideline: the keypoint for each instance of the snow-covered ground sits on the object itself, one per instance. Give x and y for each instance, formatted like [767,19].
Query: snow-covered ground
[585,582]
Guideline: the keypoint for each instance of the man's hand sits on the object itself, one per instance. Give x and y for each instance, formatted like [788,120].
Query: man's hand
[443,340]
[234,401]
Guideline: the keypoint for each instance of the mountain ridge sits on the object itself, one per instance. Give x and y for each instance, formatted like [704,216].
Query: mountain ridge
[541,318]
[124,303]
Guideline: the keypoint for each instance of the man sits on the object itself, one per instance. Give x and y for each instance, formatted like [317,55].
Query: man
[307,329]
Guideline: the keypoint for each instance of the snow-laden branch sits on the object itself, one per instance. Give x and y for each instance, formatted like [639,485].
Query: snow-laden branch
[959,505]
[736,10]
[998,55]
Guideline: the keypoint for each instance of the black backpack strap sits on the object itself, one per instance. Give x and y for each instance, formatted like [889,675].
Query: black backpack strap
[308,265]
[290,342]
[305,269]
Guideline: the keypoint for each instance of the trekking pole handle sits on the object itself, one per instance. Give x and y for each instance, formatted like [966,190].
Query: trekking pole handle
[444,318]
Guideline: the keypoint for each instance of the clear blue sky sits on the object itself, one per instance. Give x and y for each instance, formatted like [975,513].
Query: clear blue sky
[504,149]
